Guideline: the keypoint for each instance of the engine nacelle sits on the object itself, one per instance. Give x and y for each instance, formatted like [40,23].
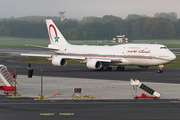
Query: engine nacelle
[144,66]
[58,61]
[93,64]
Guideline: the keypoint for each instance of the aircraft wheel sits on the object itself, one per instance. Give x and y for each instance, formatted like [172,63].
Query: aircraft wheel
[160,71]
[122,68]
[101,69]
[118,68]
[110,68]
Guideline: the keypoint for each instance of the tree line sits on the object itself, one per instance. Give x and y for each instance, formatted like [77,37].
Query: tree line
[107,27]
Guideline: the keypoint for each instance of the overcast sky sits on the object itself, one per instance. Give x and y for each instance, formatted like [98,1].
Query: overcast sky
[82,8]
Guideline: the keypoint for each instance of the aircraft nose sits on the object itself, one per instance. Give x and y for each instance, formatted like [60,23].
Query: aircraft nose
[172,57]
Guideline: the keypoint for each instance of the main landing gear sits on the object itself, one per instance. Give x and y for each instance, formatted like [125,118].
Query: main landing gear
[120,68]
[160,70]
[106,68]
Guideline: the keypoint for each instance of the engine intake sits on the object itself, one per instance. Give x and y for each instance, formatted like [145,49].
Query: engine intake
[58,61]
[93,64]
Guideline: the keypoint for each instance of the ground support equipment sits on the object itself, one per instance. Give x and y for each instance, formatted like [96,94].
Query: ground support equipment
[136,83]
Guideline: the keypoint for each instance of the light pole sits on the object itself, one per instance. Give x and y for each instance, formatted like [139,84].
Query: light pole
[41,84]
[30,73]
[15,82]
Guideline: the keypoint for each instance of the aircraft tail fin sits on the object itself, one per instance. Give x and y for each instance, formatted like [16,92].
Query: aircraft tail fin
[55,35]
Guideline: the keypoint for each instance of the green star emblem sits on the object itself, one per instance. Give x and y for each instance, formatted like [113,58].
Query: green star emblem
[56,38]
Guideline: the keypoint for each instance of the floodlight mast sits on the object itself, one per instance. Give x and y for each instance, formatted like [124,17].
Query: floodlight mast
[62,15]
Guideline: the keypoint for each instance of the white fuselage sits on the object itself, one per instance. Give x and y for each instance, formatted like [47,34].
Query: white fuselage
[101,57]
[131,54]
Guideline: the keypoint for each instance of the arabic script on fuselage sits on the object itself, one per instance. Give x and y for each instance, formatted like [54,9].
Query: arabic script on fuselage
[138,51]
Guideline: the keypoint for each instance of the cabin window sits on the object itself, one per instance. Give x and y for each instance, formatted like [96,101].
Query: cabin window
[163,48]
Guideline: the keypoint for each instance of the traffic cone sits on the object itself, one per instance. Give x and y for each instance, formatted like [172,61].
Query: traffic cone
[54,93]
[112,86]
[58,93]
[99,95]
[21,80]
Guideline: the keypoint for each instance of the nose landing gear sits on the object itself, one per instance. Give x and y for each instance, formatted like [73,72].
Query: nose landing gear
[160,70]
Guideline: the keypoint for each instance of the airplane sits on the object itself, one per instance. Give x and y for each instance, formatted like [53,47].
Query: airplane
[102,57]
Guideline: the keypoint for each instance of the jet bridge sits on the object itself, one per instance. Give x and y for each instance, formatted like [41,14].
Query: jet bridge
[142,86]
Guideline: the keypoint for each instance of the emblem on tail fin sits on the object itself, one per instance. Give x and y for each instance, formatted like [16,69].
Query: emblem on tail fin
[55,35]
[56,38]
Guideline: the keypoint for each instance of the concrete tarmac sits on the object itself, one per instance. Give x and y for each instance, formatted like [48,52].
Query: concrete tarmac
[101,89]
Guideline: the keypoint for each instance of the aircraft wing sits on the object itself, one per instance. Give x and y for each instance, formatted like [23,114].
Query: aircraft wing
[49,56]
[119,60]
[104,59]
[37,55]
[79,57]
[42,47]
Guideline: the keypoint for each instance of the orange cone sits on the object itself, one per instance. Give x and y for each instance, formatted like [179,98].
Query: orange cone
[58,93]
[112,86]
[54,93]
[21,80]
[99,95]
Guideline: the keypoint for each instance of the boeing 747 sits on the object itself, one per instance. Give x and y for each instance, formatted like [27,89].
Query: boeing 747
[102,57]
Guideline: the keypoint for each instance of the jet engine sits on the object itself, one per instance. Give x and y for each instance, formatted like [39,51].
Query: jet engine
[58,61]
[93,64]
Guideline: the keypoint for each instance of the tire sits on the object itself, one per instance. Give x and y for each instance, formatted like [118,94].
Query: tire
[122,68]
[110,68]
[101,69]
[160,71]
[117,68]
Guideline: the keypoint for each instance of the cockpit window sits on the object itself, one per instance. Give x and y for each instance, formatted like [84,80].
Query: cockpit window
[163,47]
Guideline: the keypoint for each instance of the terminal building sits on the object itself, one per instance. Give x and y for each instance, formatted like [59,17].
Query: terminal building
[120,38]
